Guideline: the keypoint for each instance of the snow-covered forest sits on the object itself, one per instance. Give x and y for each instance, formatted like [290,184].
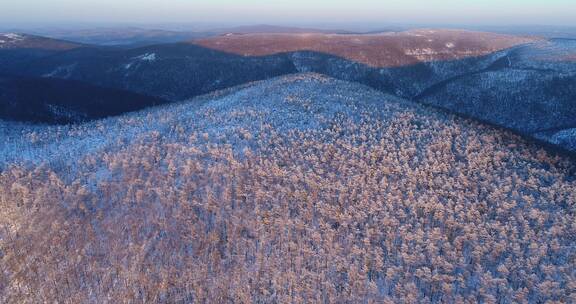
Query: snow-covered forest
[299,189]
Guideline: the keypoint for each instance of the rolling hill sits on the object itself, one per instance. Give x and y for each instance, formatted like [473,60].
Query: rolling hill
[383,50]
[300,188]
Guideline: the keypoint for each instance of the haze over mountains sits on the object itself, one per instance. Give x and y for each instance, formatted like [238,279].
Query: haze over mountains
[133,36]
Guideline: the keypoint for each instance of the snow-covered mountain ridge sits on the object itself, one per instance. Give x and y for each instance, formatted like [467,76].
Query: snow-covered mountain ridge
[298,187]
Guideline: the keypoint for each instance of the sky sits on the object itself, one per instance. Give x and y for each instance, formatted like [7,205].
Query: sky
[471,12]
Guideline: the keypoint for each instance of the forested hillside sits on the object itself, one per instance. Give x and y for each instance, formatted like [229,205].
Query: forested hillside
[297,189]
[59,101]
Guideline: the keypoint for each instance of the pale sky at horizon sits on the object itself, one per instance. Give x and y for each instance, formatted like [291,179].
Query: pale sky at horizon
[486,12]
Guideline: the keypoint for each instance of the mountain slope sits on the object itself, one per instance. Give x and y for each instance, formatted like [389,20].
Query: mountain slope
[50,100]
[532,89]
[296,189]
[405,63]
[171,71]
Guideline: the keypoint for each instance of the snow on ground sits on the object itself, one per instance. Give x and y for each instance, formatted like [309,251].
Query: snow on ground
[564,138]
[10,38]
[146,57]
[128,65]
[62,71]
[13,36]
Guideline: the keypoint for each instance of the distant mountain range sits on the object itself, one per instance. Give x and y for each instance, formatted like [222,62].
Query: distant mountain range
[26,41]
[393,49]
[122,37]
[525,84]
[137,37]
[274,29]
